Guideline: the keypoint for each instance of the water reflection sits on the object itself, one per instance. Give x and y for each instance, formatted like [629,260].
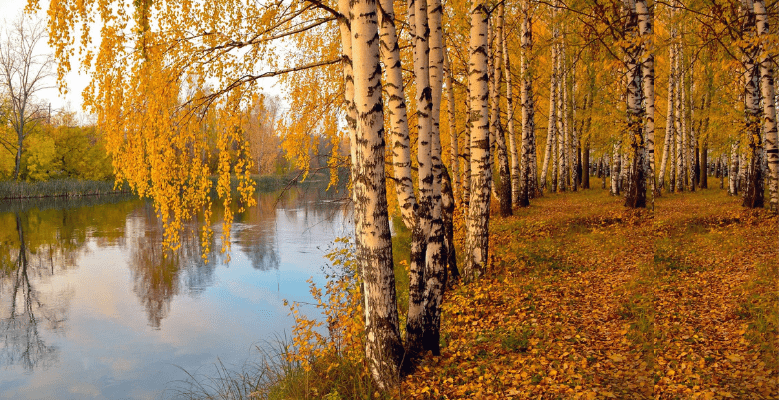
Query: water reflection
[90,306]
[22,307]
[158,275]
[256,232]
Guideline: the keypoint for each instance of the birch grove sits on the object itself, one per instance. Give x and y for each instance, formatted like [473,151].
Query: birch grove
[363,75]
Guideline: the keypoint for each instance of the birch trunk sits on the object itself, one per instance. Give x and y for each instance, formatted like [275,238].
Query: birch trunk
[678,120]
[753,191]
[512,138]
[769,108]
[396,107]
[624,172]
[586,165]
[586,131]
[435,268]
[526,94]
[551,126]
[417,270]
[455,156]
[351,111]
[692,138]
[742,173]
[646,18]
[534,188]
[565,166]
[504,189]
[494,112]
[669,120]
[476,240]
[447,203]
[733,172]
[467,152]
[561,148]
[704,184]
[576,154]
[615,169]
[635,196]
[383,348]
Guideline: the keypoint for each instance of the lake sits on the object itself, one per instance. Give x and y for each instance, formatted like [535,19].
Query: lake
[91,308]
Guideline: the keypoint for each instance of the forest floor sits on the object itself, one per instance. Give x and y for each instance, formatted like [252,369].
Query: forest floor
[586,299]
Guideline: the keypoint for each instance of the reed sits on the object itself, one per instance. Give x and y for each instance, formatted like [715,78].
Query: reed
[58,188]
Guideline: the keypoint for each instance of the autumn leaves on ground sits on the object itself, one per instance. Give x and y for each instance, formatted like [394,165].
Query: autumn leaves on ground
[587,299]
[584,299]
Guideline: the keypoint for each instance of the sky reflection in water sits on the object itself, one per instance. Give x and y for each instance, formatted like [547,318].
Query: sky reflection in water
[90,308]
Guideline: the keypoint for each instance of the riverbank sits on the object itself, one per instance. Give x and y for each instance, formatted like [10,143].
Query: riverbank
[10,190]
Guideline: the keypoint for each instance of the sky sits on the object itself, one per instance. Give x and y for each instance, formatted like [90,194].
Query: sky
[76,82]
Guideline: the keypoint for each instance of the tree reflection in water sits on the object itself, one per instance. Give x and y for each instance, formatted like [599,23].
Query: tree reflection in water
[50,235]
[255,232]
[158,276]
[22,307]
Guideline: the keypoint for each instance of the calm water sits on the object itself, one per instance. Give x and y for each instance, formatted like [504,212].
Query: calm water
[90,308]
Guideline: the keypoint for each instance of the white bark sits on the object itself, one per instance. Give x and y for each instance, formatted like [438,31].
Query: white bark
[678,123]
[733,171]
[561,133]
[615,169]
[402,170]
[435,258]
[504,190]
[669,120]
[565,168]
[551,126]
[645,29]
[374,252]
[512,139]
[635,195]
[396,106]
[526,177]
[454,151]
[753,188]
[418,267]
[477,232]
[769,107]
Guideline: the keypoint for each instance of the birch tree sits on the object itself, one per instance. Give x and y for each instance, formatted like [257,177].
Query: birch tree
[646,32]
[753,190]
[512,139]
[526,179]
[669,120]
[769,105]
[374,251]
[504,190]
[476,241]
[636,195]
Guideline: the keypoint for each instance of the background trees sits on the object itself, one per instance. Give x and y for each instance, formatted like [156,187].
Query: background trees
[24,73]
